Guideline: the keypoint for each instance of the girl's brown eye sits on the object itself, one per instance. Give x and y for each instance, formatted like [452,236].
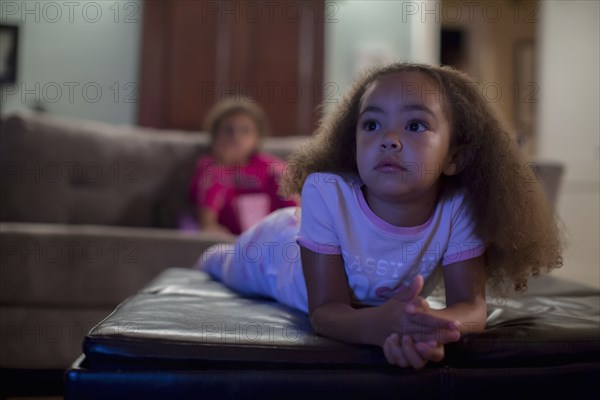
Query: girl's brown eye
[413,126]
[370,125]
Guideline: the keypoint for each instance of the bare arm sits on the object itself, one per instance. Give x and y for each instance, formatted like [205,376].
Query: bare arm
[329,307]
[331,313]
[465,295]
[209,220]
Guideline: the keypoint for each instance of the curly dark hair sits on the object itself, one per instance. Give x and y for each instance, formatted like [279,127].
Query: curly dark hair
[507,201]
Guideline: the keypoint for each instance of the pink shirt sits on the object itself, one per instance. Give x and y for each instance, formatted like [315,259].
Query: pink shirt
[241,195]
[378,257]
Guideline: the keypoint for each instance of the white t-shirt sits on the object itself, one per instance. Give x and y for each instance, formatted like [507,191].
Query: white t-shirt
[378,257]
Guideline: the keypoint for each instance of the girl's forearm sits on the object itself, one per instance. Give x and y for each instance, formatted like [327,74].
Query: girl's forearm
[343,322]
[208,220]
[471,316]
[372,325]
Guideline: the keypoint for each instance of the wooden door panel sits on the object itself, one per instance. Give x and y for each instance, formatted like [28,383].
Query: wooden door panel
[202,54]
[192,64]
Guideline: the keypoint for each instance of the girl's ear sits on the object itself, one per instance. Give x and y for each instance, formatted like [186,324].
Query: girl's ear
[452,168]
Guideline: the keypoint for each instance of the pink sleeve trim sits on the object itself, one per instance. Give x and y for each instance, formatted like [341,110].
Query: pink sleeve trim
[318,247]
[464,255]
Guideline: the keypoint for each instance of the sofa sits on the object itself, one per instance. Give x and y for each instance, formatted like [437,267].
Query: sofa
[88,216]
[89,213]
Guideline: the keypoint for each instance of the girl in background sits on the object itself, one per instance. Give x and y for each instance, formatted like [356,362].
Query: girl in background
[236,185]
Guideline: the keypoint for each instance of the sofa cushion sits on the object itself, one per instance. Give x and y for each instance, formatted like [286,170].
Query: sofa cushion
[63,170]
[44,337]
[186,318]
[56,265]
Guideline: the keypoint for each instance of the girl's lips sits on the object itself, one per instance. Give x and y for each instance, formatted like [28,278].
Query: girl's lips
[389,165]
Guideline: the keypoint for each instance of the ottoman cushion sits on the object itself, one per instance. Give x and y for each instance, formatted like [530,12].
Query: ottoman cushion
[185,316]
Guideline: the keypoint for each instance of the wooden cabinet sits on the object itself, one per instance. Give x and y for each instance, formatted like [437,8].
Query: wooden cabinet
[197,52]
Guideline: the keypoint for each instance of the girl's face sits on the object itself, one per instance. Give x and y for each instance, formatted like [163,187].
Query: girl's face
[402,136]
[237,137]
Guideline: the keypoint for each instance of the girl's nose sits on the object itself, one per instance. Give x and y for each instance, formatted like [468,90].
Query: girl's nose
[391,141]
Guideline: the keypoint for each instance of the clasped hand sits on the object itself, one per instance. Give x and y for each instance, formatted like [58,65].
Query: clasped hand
[428,333]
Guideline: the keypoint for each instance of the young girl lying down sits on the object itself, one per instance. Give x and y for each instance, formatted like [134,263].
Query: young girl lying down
[410,180]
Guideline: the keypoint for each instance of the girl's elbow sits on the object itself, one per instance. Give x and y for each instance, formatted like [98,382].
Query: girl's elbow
[316,323]
[474,320]
[479,322]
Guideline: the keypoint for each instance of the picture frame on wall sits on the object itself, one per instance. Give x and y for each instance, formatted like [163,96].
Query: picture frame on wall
[9,46]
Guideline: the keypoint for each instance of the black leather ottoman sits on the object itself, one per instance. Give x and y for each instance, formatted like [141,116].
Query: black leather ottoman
[186,336]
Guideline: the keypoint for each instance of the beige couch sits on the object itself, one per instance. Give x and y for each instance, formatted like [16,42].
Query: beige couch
[88,216]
